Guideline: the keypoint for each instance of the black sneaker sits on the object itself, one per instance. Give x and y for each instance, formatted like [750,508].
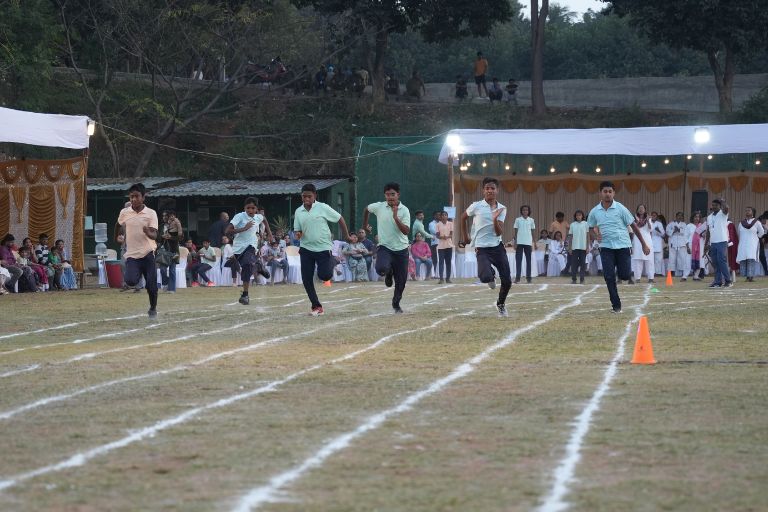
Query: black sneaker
[616,310]
[517,281]
[581,281]
[528,280]
[397,310]
[729,284]
[388,279]
[448,281]
[715,285]
[244,300]
[573,281]
[502,310]
[492,284]
[152,313]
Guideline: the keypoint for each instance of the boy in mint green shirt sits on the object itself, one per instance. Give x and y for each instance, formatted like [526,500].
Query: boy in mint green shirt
[310,224]
[393,222]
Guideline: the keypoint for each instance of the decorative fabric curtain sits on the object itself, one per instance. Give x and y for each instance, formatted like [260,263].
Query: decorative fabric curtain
[35,198]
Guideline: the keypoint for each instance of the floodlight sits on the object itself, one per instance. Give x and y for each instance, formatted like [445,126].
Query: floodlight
[598,170]
[91,127]
[454,142]
[701,135]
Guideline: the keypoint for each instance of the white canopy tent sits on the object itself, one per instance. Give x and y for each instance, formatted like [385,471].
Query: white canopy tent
[53,130]
[665,140]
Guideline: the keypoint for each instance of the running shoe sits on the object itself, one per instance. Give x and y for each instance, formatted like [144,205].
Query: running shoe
[397,310]
[388,279]
[152,313]
[492,284]
[210,284]
[244,300]
[317,311]
[502,310]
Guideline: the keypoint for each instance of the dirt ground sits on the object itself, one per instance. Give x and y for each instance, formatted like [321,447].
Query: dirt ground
[219,406]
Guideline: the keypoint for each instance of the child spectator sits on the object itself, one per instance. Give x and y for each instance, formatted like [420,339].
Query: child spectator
[41,273]
[276,259]
[461,88]
[355,253]
[228,258]
[207,257]
[495,93]
[542,245]
[511,89]
[422,255]
[444,247]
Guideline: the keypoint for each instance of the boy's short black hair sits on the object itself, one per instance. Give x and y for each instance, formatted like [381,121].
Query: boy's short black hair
[138,187]
[717,201]
[250,200]
[170,211]
[418,212]
[489,179]
[607,184]
[392,186]
[559,214]
[309,187]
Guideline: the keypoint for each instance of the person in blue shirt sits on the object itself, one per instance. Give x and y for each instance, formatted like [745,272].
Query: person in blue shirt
[608,222]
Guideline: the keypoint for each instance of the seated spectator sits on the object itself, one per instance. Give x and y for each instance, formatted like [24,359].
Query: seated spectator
[68,279]
[8,261]
[511,89]
[5,276]
[25,263]
[392,86]
[41,273]
[192,259]
[495,92]
[414,87]
[422,255]
[276,258]
[355,253]
[557,255]
[362,237]
[228,258]
[461,87]
[207,257]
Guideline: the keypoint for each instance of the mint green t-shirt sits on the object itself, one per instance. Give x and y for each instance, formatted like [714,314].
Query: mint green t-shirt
[313,224]
[390,235]
[524,227]
[578,231]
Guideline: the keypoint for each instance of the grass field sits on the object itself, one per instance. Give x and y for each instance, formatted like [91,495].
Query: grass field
[218,406]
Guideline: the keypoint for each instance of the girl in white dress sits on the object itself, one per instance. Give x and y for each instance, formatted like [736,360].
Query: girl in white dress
[750,231]
[642,262]
[557,255]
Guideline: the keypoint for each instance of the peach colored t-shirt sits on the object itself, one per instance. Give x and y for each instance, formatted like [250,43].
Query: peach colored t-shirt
[444,230]
[137,243]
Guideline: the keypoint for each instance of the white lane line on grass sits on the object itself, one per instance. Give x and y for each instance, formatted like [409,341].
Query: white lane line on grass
[4,415]
[269,492]
[81,458]
[117,334]
[11,373]
[563,474]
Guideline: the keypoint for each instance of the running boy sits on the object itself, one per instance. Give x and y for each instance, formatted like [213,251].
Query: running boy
[310,226]
[487,227]
[608,221]
[394,221]
[245,227]
[139,223]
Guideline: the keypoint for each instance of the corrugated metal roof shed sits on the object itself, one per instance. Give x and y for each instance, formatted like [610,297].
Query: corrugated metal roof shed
[122,184]
[244,188]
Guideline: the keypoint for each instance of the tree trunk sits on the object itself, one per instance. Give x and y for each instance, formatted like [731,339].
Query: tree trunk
[538,21]
[166,132]
[723,78]
[377,71]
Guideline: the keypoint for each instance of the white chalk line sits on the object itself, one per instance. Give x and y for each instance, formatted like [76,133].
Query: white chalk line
[11,373]
[563,474]
[117,334]
[4,415]
[81,458]
[269,492]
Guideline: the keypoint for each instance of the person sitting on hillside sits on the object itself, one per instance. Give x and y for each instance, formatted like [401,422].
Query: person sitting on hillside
[461,87]
[392,86]
[495,92]
[511,89]
[414,88]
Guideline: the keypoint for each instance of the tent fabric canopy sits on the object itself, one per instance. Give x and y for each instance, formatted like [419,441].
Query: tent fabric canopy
[53,130]
[665,140]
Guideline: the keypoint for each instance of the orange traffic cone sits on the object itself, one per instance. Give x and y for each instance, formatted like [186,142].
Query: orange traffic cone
[327,283]
[669,278]
[643,349]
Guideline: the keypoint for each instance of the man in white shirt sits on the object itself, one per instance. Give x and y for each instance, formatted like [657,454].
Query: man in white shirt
[657,235]
[679,246]
[717,243]
[487,226]
[432,227]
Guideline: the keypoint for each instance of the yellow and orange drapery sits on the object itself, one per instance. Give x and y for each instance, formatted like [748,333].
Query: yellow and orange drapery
[45,196]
